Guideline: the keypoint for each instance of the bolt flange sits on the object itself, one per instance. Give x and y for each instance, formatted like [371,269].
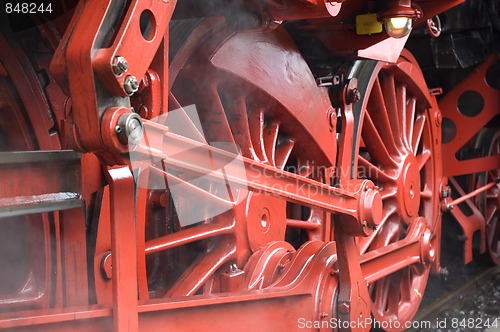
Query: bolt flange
[130,129]
[352,96]
[119,65]
[106,265]
[130,84]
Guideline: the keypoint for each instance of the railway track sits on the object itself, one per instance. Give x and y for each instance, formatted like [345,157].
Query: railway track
[473,305]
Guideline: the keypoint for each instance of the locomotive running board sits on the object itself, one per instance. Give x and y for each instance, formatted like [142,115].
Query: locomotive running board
[39,181]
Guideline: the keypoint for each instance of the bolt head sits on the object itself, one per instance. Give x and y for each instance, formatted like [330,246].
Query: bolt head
[135,131]
[332,119]
[106,265]
[445,193]
[131,129]
[119,65]
[353,96]
[130,84]
[439,118]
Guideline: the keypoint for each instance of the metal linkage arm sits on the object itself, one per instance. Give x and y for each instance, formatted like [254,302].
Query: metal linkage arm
[182,154]
[416,247]
[99,57]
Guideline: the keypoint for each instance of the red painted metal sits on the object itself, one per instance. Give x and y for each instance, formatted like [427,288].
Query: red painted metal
[338,34]
[399,151]
[82,53]
[490,208]
[488,202]
[123,247]
[470,224]
[463,198]
[138,39]
[350,201]
[466,127]
[462,132]
[115,252]
[305,9]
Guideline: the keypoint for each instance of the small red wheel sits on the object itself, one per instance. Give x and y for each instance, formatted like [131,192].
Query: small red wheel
[434,26]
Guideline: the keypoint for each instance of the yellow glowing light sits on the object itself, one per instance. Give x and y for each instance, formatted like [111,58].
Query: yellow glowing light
[398,27]
[399,22]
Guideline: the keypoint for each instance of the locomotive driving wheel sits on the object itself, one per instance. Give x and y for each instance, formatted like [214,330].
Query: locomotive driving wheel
[253,93]
[397,150]
[488,142]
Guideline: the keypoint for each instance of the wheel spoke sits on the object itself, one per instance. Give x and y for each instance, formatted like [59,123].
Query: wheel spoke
[214,119]
[426,193]
[379,114]
[418,130]
[283,151]
[374,142]
[381,292]
[403,116]
[494,235]
[405,286]
[394,294]
[388,192]
[389,232]
[374,172]
[270,140]
[392,103]
[491,212]
[411,108]
[365,242]
[423,158]
[237,119]
[256,126]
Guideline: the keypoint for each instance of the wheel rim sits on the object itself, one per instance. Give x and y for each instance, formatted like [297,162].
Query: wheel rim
[492,203]
[397,149]
[488,201]
[26,124]
[238,111]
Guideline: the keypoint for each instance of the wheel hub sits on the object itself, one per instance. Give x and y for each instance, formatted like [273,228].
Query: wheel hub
[410,189]
[270,212]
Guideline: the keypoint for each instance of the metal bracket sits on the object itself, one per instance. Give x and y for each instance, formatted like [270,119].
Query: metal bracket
[124,249]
